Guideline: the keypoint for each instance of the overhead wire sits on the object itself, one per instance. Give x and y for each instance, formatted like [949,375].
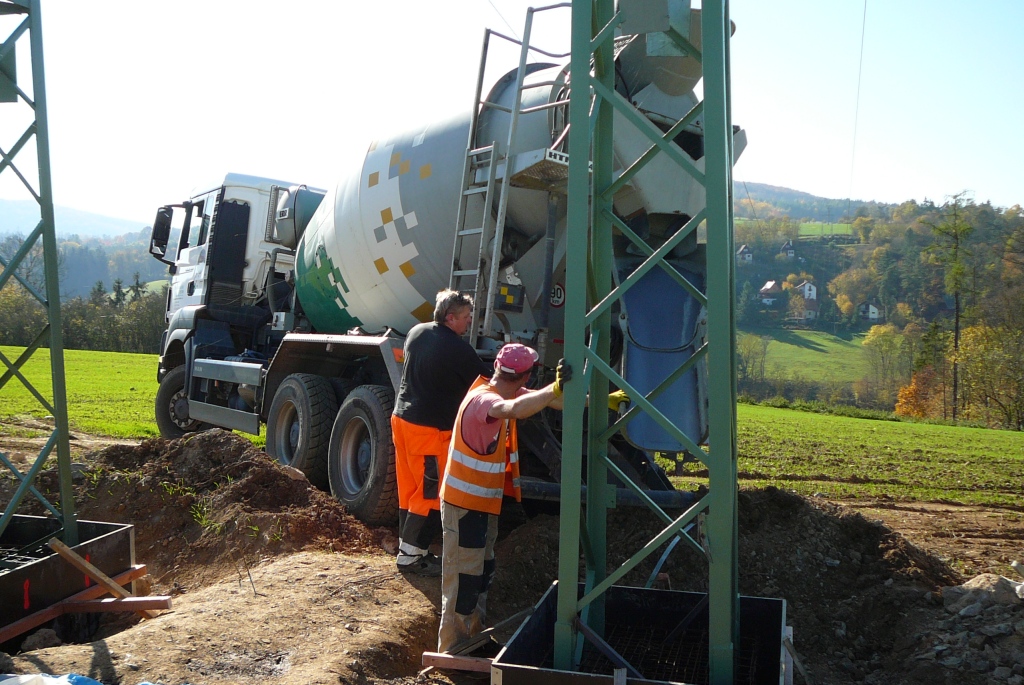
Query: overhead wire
[856,107]
[503,19]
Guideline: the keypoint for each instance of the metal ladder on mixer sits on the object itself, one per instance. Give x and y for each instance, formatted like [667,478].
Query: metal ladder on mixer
[480,177]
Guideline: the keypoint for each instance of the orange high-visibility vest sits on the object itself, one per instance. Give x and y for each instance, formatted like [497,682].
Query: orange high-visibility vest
[477,481]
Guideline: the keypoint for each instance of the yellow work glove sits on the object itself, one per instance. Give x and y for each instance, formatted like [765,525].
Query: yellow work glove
[616,399]
[563,374]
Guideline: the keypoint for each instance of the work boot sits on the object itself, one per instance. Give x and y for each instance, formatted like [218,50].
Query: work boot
[426,565]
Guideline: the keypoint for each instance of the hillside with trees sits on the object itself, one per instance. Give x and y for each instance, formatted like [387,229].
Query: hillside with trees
[937,288]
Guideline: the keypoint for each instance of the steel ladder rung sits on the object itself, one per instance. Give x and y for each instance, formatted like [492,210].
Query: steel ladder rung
[471,231]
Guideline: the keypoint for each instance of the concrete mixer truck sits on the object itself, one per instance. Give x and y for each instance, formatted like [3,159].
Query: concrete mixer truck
[288,304]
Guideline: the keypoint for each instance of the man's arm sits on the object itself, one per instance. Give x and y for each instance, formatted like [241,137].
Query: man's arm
[526,405]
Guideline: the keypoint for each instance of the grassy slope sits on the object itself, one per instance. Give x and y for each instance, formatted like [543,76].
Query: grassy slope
[844,457]
[109,393]
[817,228]
[816,355]
[112,394]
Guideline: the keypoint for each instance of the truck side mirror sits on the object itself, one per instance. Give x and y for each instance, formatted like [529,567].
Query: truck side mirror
[161,233]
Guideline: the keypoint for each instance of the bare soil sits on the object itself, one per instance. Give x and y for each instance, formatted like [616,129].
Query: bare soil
[272,581]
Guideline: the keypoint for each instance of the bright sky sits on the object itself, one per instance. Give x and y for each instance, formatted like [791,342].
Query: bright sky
[148,100]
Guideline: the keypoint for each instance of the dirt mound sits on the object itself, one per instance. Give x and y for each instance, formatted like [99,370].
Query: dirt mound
[211,502]
[853,586]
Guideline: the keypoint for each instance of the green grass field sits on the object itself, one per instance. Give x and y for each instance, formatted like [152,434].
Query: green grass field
[112,394]
[844,457]
[815,354]
[109,393]
[813,229]
[817,229]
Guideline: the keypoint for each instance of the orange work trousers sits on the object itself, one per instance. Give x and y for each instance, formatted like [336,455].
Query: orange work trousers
[421,453]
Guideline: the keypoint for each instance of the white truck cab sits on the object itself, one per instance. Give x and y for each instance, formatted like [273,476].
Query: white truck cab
[220,245]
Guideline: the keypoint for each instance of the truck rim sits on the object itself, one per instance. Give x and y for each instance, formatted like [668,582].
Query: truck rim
[178,411]
[288,433]
[356,454]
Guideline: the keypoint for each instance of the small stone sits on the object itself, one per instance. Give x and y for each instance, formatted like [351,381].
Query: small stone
[350,627]
[1002,673]
[980,665]
[951,595]
[999,590]
[978,641]
[970,610]
[854,555]
[888,582]
[41,639]
[831,562]
[996,630]
[1015,679]
[951,661]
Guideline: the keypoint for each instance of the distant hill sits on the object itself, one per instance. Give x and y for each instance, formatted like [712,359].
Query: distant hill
[21,216]
[751,200]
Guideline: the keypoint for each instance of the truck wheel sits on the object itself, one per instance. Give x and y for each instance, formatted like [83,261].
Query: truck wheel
[299,425]
[172,407]
[361,458]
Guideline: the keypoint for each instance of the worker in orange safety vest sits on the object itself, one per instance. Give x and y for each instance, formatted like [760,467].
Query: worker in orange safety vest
[483,465]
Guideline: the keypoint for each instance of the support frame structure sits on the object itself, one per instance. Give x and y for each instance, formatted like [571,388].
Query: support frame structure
[12,95]
[590,292]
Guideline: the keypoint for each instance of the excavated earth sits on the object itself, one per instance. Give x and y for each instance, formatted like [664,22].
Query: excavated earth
[273,582]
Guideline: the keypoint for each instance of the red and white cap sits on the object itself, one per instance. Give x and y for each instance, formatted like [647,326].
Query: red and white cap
[515,358]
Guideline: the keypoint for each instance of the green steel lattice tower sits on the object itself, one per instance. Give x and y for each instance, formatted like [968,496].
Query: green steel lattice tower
[591,293]
[13,95]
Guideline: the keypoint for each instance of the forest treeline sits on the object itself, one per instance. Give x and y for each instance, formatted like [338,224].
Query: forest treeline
[120,314]
[946,282]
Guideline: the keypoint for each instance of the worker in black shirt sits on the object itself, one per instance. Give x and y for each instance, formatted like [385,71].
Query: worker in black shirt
[438,370]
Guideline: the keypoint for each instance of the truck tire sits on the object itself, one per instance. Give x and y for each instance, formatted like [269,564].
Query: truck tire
[172,407]
[361,458]
[299,425]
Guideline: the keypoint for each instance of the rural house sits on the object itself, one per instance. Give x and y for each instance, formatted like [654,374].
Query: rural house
[787,250]
[744,255]
[807,305]
[769,292]
[869,311]
[808,290]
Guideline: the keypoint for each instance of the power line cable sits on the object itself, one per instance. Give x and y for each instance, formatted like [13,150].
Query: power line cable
[514,33]
[856,108]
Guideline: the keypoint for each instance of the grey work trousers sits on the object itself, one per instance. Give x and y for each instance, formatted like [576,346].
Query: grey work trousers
[467,566]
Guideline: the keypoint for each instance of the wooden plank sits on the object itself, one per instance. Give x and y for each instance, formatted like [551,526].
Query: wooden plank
[94,591]
[455,662]
[31,621]
[23,625]
[99,576]
[118,604]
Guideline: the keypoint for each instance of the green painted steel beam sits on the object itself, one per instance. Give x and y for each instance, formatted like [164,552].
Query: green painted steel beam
[722,530]
[577,236]
[45,232]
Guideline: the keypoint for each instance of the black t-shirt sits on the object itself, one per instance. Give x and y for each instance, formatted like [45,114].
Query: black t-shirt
[439,368]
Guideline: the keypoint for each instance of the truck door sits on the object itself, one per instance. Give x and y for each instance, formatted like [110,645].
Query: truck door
[188,284]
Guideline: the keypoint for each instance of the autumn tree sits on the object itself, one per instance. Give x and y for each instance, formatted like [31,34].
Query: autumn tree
[950,250]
